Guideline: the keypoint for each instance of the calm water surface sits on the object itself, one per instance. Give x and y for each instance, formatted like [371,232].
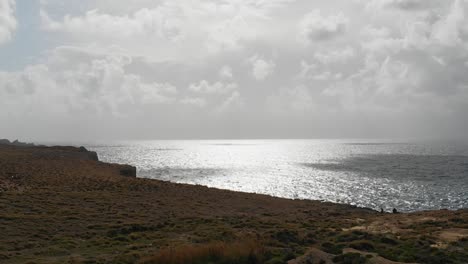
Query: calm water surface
[407,176]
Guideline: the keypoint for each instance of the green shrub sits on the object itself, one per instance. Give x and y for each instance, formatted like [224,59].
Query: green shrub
[332,248]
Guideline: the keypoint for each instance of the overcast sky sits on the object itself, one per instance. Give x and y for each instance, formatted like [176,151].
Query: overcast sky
[146,69]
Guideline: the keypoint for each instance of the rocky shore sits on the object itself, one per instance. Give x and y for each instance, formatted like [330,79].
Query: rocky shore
[62,205]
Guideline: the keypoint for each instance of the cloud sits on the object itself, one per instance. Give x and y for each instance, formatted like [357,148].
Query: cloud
[175,29]
[327,76]
[205,87]
[169,65]
[371,32]
[261,68]
[313,72]
[198,102]
[420,71]
[407,5]
[99,85]
[233,102]
[158,22]
[335,56]
[452,30]
[306,69]
[7,20]
[316,27]
[297,100]
[226,72]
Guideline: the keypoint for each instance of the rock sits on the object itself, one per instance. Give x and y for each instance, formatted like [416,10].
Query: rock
[83,149]
[128,171]
[92,155]
[15,143]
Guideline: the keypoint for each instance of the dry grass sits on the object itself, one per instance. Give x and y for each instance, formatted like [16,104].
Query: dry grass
[250,252]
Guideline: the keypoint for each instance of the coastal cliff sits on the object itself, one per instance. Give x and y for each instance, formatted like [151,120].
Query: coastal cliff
[37,154]
[62,205]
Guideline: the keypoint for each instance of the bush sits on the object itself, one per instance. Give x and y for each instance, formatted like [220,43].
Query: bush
[362,245]
[286,236]
[332,248]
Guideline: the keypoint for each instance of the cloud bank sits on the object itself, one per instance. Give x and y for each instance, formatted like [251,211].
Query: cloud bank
[240,69]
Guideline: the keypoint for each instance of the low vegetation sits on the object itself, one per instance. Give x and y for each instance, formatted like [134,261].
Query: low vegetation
[408,248]
[247,252]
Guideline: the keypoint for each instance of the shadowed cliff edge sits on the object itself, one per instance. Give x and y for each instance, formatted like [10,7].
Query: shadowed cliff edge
[62,205]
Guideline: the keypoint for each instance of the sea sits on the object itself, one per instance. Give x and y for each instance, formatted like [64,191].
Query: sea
[408,176]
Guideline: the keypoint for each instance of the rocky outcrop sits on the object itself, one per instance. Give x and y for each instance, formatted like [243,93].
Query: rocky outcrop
[92,155]
[5,142]
[128,171]
[15,143]
[57,151]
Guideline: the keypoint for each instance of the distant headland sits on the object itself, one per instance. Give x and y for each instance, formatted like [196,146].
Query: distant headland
[16,143]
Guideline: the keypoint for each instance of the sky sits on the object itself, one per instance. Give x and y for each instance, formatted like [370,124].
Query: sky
[202,69]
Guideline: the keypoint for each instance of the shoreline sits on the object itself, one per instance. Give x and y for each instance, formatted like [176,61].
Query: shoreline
[62,204]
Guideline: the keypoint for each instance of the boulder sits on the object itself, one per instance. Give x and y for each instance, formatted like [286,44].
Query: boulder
[83,149]
[128,171]
[92,155]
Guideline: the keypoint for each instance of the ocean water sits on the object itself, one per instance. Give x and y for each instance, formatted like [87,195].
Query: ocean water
[373,174]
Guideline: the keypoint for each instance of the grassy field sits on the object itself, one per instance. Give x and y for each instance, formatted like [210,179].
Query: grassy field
[59,207]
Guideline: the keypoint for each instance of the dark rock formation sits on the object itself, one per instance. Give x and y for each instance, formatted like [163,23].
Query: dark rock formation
[92,155]
[15,143]
[83,149]
[128,171]
[4,142]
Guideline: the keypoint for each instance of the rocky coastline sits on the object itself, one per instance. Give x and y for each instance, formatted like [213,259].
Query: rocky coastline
[62,205]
